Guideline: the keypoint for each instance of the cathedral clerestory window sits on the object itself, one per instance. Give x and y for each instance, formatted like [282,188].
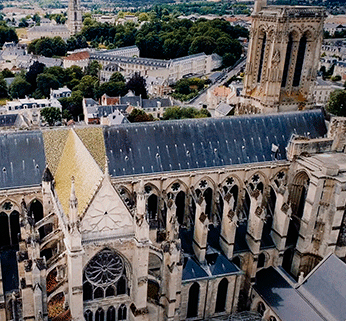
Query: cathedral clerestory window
[104,276]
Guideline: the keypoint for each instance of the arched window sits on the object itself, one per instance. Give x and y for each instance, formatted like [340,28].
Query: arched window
[208,196]
[300,61]
[287,61]
[122,312]
[153,290]
[111,314]
[234,192]
[110,291]
[260,66]
[236,261]
[261,260]
[272,318]
[287,260]
[100,315]
[104,273]
[36,210]
[261,308]
[192,305]
[4,230]
[152,207]
[180,203]
[88,315]
[221,296]
[297,199]
[121,286]
[15,228]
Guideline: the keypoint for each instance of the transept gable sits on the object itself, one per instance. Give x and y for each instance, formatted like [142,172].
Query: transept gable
[76,161]
[106,214]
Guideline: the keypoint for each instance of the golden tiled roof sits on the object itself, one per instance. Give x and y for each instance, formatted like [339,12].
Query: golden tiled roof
[54,142]
[76,161]
[92,138]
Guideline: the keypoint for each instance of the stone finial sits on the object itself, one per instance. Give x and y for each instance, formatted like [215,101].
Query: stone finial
[301,277]
[73,203]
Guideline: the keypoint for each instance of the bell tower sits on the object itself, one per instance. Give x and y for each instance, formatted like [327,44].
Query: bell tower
[283,56]
[74,16]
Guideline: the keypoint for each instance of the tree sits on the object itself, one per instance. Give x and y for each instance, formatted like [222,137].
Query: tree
[177,112]
[202,44]
[112,89]
[87,86]
[7,34]
[3,87]
[51,115]
[93,69]
[337,103]
[6,73]
[139,115]
[46,82]
[35,69]
[19,88]
[137,85]
[73,104]
[116,77]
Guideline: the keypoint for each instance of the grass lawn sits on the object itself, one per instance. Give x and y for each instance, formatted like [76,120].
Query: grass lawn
[3,101]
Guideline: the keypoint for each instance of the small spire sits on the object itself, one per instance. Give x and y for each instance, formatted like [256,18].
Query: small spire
[73,203]
[73,191]
[106,165]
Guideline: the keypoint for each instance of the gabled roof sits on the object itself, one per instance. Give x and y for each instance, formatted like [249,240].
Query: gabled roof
[22,159]
[192,270]
[8,120]
[325,288]
[285,301]
[156,147]
[76,161]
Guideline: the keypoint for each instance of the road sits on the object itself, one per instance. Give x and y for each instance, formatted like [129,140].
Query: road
[202,98]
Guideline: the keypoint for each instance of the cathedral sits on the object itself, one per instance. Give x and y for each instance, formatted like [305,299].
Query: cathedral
[179,220]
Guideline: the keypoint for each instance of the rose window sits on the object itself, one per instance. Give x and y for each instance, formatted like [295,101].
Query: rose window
[104,268]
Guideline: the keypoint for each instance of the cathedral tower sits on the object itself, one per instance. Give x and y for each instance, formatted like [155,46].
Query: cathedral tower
[283,56]
[74,16]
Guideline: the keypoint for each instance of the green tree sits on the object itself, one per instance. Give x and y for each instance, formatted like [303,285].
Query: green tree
[87,86]
[137,85]
[111,88]
[51,115]
[6,73]
[3,87]
[19,88]
[73,104]
[35,69]
[46,82]
[93,69]
[177,112]
[139,115]
[116,77]
[202,44]
[337,103]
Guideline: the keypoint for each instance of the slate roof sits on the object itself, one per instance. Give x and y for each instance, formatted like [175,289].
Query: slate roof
[8,120]
[222,266]
[285,301]
[192,270]
[168,146]
[22,159]
[330,276]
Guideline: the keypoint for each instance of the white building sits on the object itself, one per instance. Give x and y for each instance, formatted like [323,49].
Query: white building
[60,93]
[30,108]
[322,91]
[45,30]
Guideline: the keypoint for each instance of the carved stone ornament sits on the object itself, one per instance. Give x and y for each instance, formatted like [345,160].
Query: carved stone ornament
[285,207]
[27,265]
[231,214]
[259,211]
